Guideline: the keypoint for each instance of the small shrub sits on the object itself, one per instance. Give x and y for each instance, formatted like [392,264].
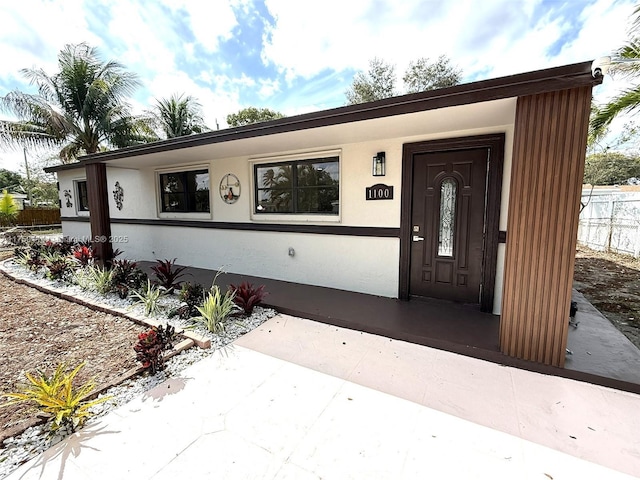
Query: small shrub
[58,266]
[127,276]
[148,297]
[191,295]
[83,254]
[246,296]
[215,310]
[30,259]
[56,396]
[94,278]
[151,344]
[102,279]
[167,273]
[8,209]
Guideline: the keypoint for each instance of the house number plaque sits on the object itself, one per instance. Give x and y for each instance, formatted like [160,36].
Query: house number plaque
[379,192]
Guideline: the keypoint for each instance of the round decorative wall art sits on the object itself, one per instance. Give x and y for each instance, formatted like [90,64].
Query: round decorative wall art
[230,188]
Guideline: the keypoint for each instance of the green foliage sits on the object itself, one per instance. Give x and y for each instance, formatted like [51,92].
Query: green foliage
[9,180]
[215,311]
[247,296]
[250,115]
[8,209]
[167,273]
[422,75]
[191,295]
[151,344]
[127,276]
[30,259]
[81,109]
[55,395]
[59,266]
[611,168]
[149,298]
[380,80]
[178,116]
[625,62]
[95,278]
[377,83]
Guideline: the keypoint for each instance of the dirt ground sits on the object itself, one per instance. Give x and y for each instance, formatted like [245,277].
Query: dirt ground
[37,331]
[611,283]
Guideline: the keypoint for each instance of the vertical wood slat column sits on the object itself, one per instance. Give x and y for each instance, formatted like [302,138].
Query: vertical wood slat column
[98,197]
[546,183]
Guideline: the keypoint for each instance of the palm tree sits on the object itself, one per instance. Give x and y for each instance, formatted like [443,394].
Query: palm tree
[81,109]
[626,61]
[178,116]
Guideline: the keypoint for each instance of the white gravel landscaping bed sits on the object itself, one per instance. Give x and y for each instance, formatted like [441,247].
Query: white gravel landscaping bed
[34,440]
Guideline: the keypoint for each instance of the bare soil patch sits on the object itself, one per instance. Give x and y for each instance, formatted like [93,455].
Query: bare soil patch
[611,282]
[38,331]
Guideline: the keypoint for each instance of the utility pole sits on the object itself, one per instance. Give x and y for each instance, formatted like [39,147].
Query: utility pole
[26,167]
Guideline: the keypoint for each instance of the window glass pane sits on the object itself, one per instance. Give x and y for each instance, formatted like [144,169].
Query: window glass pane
[83,199]
[274,176]
[305,186]
[318,200]
[171,183]
[446,230]
[173,202]
[185,191]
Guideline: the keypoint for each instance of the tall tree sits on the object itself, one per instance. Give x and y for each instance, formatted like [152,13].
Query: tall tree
[81,109]
[377,83]
[250,115]
[611,168]
[626,61]
[423,75]
[9,180]
[178,115]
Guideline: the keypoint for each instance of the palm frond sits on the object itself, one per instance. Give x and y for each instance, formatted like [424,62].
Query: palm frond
[627,101]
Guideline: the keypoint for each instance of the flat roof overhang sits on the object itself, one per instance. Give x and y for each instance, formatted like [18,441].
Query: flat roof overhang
[509,87]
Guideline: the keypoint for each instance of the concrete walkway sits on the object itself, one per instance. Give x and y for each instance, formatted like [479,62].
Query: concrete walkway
[297,399]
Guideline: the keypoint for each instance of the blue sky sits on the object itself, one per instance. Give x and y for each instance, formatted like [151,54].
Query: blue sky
[300,56]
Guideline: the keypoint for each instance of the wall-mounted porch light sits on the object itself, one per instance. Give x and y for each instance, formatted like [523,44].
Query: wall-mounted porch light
[378,165]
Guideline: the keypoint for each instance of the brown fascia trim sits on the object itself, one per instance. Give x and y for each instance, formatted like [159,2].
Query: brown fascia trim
[540,81]
[385,232]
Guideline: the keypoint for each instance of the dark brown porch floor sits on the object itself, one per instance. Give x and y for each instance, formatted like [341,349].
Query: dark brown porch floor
[447,326]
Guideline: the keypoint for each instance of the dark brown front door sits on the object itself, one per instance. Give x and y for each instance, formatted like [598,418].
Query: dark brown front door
[447,224]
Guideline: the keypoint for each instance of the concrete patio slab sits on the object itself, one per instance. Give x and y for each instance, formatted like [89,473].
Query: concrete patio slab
[244,413]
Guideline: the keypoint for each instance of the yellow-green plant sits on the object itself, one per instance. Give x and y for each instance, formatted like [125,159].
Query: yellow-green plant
[149,298]
[216,309]
[8,208]
[55,395]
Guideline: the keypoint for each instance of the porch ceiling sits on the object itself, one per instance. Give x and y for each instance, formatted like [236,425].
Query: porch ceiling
[426,123]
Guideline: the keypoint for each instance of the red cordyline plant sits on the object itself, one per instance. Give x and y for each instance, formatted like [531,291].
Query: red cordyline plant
[247,296]
[168,273]
[83,254]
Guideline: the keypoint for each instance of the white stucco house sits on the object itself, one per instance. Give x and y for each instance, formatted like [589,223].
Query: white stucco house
[468,193]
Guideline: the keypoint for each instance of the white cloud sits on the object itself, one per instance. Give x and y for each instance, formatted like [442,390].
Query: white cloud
[33,32]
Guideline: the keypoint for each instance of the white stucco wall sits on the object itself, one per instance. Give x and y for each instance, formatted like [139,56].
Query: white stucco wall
[362,264]
[366,265]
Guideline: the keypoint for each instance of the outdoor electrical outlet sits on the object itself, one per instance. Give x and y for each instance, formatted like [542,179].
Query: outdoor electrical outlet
[292,252]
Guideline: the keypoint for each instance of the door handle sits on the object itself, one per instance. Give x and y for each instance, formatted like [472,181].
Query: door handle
[416,238]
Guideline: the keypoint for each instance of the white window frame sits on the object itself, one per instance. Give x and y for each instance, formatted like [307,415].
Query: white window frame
[76,197]
[294,218]
[183,215]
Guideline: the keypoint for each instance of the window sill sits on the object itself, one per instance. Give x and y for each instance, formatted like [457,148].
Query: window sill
[185,215]
[294,218]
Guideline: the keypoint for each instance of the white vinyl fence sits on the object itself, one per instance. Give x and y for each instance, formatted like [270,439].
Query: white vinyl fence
[610,221]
